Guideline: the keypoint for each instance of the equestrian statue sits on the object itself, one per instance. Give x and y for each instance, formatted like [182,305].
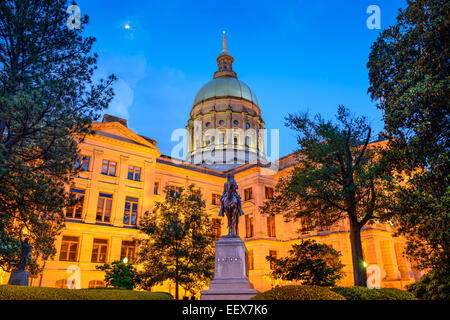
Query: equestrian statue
[231,205]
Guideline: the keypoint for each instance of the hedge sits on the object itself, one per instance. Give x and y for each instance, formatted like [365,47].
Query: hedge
[363,293]
[294,292]
[9,292]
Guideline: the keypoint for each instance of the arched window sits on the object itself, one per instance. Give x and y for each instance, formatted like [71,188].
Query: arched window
[61,284]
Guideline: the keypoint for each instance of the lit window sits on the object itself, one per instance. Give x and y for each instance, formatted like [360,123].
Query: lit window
[134,173]
[250,260]
[268,192]
[248,194]
[109,168]
[128,251]
[271,226]
[104,207]
[216,199]
[96,284]
[76,210]
[69,248]
[248,226]
[99,250]
[130,212]
[82,162]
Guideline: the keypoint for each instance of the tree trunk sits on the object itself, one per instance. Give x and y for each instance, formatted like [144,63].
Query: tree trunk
[359,270]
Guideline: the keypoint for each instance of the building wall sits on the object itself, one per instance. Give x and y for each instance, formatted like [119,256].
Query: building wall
[115,142]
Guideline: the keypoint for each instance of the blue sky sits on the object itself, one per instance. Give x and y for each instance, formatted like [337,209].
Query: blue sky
[295,55]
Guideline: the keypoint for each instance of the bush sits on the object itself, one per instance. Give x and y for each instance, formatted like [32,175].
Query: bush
[363,293]
[435,285]
[9,292]
[293,292]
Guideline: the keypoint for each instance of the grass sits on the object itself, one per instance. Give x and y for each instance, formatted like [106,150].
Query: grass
[9,292]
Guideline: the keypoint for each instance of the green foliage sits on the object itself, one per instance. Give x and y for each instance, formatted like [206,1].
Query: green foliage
[363,293]
[338,177]
[435,285]
[179,242]
[8,292]
[309,262]
[409,68]
[298,293]
[47,103]
[119,275]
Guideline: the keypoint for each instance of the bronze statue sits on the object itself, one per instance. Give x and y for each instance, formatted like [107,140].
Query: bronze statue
[231,205]
[24,253]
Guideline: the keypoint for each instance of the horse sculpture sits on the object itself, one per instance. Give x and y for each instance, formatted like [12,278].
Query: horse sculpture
[231,206]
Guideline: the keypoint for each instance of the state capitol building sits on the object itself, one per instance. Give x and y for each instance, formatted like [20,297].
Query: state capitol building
[124,174]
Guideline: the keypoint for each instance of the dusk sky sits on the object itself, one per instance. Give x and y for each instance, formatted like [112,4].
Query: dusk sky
[294,55]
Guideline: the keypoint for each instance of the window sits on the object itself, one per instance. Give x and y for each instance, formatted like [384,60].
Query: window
[208,124]
[250,260]
[249,226]
[134,173]
[248,194]
[130,211]
[174,192]
[247,125]
[99,250]
[236,140]
[96,284]
[109,168]
[222,139]
[104,207]
[128,251]
[221,122]
[273,254]
[271,226]
[268,191]
[248,141]
[82,162]
[235,122]
[76,210]
[156,188]
[216,228]
[69,248]
[208,140]
[216,199]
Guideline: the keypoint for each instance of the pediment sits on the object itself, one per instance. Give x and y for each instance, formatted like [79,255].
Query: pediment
[120,133]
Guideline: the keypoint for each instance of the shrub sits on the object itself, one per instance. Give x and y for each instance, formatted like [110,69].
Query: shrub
[363,293]
[293,292]
[435,285]
[9,292]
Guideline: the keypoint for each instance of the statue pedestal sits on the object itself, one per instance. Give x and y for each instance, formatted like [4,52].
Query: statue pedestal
[230,272]
[19,278]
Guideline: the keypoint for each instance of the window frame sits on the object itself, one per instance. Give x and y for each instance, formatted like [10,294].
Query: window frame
[69,241]
[108,167]
[105,197]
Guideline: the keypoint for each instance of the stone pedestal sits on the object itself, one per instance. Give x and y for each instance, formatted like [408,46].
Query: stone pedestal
[230,272]
[19,278]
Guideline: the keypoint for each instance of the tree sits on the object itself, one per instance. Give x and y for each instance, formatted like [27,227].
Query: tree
[337,177]
[309,262]
[409,69]
[47,103]
[119,275]
[179,242]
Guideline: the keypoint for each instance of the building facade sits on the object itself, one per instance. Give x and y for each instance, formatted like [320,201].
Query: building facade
[123,174]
